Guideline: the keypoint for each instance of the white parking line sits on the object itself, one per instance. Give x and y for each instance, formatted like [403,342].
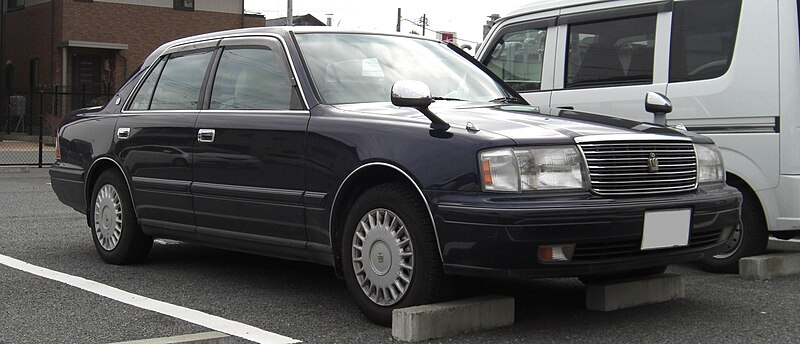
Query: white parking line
[203,319]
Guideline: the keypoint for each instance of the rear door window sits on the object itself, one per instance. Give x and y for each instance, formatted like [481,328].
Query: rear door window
[180,83]
[518,57]
[611,52]
[703,38]
[145,94]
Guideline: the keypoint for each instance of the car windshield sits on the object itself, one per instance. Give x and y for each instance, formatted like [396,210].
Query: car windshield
[360,68]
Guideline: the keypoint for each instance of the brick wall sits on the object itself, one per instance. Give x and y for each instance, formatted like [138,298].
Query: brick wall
[27,36]
[142,28]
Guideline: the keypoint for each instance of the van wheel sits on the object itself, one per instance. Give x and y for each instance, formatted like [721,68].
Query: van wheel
[749,238]
[115,231]
[390,257]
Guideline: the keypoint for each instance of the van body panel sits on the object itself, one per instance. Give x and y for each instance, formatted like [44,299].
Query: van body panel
[751,109]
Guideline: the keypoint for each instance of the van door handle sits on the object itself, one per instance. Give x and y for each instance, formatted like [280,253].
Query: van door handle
[123,133]
[206,135]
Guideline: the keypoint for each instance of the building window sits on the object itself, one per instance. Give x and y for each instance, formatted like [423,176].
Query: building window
[183,5]
[15,5]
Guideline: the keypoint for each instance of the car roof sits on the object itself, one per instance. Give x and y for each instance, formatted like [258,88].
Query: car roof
[547,5]
[282,31]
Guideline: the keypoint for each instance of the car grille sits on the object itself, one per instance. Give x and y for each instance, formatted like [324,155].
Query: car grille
[632,247]
[634,168]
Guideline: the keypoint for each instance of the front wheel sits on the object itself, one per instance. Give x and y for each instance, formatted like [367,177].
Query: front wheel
[389,254]
[115,231]
[749,238]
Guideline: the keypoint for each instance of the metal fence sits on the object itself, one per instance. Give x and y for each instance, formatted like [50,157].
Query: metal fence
[29,120]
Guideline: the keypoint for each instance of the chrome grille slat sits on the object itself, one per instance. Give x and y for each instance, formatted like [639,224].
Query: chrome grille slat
[621,168]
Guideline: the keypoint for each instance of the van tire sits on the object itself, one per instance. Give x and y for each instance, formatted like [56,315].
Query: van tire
[750,238]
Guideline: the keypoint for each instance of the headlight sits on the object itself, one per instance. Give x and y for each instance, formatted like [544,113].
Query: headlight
[709,163]
[524,169]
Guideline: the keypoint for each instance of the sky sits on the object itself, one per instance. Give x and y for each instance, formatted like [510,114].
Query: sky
[465,18]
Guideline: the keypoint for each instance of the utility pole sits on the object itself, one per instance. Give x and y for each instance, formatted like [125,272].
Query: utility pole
[289,17]
[398,19]
[424,24]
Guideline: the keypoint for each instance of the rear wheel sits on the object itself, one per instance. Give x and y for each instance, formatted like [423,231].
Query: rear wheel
[749,238]
[115,231]
[389,254]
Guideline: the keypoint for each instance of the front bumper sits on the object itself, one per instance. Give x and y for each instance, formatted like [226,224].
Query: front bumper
[499,236]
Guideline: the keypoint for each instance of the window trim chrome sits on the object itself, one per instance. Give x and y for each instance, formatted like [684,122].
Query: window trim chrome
[179,46]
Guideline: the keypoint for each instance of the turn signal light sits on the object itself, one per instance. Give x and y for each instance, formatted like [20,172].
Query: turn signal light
[556,253]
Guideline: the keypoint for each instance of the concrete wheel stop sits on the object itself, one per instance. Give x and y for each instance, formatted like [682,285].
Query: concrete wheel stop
[418,323]
[627,293]
[769,266]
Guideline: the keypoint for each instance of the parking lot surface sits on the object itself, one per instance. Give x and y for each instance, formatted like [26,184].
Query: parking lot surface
[307,303]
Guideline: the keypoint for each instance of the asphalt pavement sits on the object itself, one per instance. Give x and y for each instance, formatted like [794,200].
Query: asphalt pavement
[308,303]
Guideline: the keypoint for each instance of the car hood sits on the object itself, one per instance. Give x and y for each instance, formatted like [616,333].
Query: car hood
[523,123]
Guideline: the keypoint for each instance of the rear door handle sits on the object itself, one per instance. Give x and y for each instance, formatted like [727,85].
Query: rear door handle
[206,135]
[123,133]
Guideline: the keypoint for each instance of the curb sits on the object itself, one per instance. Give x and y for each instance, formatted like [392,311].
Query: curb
[15,169]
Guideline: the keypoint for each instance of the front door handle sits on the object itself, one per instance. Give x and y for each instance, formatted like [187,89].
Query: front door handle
[206,135]
[123,133]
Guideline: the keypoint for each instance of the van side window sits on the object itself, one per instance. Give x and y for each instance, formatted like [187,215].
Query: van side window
[145,94]
[517,59]
[702,44]
[612,52]
[251,79]
[179,86]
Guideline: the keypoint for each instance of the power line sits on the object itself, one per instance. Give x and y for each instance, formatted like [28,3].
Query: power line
[437,31]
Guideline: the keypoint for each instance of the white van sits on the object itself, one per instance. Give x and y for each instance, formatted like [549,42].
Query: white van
[730,67]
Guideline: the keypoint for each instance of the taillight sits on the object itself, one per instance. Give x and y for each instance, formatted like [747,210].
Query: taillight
[58,147]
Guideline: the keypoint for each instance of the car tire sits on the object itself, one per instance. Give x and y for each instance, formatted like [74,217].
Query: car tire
[388,231]
[638,273]
[748,239]
[115,231]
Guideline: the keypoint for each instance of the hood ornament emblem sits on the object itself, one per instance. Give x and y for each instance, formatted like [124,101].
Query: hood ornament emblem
[472,127]
[652,163]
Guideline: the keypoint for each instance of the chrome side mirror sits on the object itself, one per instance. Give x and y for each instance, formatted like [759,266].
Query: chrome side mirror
[416,94]
[659,105]
[411,93]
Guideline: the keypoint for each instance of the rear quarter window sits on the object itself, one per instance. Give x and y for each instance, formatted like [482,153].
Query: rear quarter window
[703,38]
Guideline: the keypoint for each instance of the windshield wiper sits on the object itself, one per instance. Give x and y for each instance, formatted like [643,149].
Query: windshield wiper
[446,98]
[509,100]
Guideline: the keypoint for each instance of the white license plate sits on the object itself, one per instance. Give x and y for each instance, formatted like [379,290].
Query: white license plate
[666,228]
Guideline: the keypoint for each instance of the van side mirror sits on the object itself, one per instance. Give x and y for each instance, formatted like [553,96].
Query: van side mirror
[659,105]
[416,94]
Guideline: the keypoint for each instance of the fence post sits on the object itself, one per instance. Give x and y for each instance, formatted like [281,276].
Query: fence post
[29,110]
[56,110]
[41,125]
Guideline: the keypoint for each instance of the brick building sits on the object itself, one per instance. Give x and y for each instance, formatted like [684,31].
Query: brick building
[93,45]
